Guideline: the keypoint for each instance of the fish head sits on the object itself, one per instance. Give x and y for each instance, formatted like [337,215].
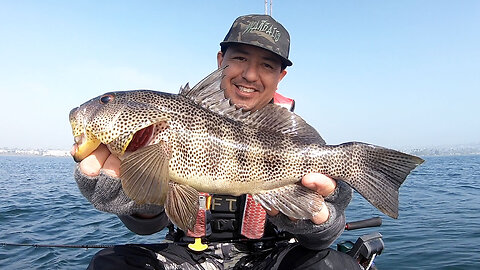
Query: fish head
[115,119]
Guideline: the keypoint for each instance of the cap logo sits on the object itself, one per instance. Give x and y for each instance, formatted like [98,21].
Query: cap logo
[265,27]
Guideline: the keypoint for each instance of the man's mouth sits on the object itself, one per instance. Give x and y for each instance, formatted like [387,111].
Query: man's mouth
[245,89]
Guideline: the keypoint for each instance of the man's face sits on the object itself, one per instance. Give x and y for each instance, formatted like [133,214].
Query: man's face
[252,75]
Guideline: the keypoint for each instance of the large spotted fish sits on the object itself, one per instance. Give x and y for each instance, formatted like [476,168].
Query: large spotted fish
[174,146]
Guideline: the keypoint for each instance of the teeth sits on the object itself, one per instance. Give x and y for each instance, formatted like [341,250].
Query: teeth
[245,89]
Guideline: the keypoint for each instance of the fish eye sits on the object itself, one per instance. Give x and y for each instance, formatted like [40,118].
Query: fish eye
[106,98]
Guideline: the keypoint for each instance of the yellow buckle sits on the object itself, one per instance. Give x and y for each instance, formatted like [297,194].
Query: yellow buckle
[198,246]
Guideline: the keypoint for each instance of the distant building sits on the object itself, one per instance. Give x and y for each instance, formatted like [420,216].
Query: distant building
[27,152]
[56,153]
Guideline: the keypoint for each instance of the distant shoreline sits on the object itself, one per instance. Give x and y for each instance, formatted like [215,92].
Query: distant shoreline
[36,153]
[447,151]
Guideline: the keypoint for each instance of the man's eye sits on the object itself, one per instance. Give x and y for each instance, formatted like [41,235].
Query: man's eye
[268,66]
[239,58]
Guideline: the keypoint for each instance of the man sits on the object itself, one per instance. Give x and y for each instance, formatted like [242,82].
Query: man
[255,55]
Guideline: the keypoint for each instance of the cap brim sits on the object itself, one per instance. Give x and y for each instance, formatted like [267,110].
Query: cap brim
[284,60]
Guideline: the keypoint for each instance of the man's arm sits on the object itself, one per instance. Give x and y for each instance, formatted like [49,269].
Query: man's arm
[97,178]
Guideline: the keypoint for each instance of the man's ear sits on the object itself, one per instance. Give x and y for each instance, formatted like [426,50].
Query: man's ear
[282,74]
[219,59]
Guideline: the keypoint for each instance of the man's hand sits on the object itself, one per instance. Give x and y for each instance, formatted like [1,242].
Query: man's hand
[322,184]
[101,158]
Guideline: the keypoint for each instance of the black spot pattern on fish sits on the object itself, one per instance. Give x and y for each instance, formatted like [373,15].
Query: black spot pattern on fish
[216,154]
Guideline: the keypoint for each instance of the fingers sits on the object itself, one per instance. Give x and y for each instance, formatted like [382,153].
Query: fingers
[99,159]
[322,216]
[321,183]
[112,166]
[92,164]
[325,186]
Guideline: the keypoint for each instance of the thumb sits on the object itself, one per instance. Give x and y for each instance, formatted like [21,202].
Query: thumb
[321,183]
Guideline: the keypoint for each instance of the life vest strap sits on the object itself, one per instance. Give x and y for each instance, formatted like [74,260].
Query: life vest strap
[254,217]
[199,230]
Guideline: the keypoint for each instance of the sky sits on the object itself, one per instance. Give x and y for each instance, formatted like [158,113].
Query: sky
[401,74]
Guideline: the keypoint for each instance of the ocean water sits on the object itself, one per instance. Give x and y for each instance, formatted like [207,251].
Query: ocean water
[438,226]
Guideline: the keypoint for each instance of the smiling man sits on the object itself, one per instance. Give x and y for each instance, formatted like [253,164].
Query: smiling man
[238,233]
[252,75]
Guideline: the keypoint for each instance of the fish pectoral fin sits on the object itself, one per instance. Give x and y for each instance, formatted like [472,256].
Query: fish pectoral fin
[144,174]
[293,200]
[181,206]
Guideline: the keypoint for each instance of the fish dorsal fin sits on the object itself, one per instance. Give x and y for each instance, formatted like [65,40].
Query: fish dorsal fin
[276,118]
[273,118]
[209,95]
[185,89]
[207,90]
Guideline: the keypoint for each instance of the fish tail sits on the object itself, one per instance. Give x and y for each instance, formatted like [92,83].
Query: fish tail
[375,172]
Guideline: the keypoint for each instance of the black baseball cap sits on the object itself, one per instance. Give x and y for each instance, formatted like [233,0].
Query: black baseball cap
[262,31]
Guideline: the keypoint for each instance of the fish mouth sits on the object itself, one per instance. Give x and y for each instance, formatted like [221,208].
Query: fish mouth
[83,147]
[80,139]
[141,138]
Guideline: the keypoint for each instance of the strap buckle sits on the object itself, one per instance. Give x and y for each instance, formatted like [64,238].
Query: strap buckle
[197,245]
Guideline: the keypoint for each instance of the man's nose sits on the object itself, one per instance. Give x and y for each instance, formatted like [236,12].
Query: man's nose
[251,73]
